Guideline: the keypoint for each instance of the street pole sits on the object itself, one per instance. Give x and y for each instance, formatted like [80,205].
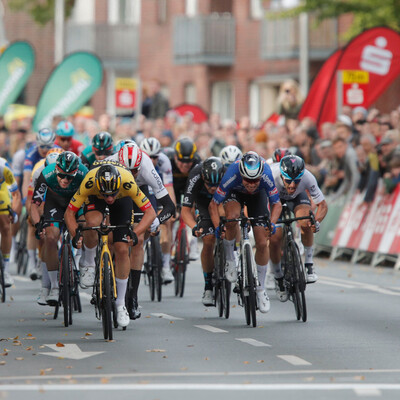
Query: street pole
[59,13]
[3,38]
[304,54]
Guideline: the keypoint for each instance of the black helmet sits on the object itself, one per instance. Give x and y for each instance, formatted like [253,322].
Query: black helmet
[185,150]
[280,153]
[67,163]
[251,165]
[212,171]
[108,180]
[102,143]
[292,167]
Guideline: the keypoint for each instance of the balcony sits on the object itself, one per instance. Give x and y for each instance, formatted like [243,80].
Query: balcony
[116,45]
[205,39]
[281,39]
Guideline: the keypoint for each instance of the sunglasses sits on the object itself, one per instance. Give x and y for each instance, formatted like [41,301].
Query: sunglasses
[154,157]
[64,139]
[247,180]
[45,147]
[69,177]
[289,181]
[211,185]
[106,152]
[110,195]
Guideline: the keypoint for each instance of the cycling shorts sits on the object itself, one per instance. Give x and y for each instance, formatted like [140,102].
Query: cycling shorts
[204,222]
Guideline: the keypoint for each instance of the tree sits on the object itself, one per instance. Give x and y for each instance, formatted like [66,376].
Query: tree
[366,13]
[42,11]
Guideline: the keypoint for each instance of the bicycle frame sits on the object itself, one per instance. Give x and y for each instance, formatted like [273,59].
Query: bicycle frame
[105,249]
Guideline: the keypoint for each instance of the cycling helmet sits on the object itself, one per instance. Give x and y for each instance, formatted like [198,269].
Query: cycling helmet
[229,154]
[251,165]
[51,158]
[280,153]
[65,128]
[185,150]
[122,143]
[130,156]
[169,152]
[292,167]
[151,146]
[102,143]
[108,180]
[57,150]
[212,171]
[45,137]
[67,163]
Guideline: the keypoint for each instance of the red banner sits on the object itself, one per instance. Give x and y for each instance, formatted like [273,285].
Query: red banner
[377,51]
[199,115]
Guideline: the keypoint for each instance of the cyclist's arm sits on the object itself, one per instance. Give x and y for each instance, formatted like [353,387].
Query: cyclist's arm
[214,213]
[168,208]
[322,210]
[171,192]
[25,182]
[70,221]
[276,210]
[148,217]
[187,216]
[13,188]
[37,198]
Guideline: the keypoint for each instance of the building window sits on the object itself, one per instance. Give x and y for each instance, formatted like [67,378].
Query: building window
[124,12]
[162,11]
[83,12]
[190,93]
[191,8]
[256,9]
[222,100]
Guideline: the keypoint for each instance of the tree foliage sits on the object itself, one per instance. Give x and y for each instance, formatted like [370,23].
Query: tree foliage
[41,11]
[366,13]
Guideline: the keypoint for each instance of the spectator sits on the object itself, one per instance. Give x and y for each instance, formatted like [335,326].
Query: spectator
[156,102]
[392,178]
[371,172]
[289,99]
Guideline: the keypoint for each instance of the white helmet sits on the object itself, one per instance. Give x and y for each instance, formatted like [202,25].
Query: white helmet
[251,165]
[130,156]
[230,154]
[151,146]
[45,137]
[51,158]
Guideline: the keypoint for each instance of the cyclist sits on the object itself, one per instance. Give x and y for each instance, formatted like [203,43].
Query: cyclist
[8,185]
[162,164]
[65,132]
[203,181]
[102,147]
[229,154]
[109,184]
[249,182]
[293,181]
[141,167]
[55,186]
[44,142]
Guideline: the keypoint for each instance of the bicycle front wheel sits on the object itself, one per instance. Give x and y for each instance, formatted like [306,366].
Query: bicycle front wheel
[149,269]
[182,263]
[65,290]
[157,265]
[2,284]
[106,301]
[249,287]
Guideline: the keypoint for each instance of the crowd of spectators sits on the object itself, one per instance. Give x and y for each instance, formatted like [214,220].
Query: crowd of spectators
[346,156]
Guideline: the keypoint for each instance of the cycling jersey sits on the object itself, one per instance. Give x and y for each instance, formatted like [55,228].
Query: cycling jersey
[47,184]
[164,169]
[308,182]
[37,170]
[88,157]
[232,182]
[74,145]
[32,157]
[7,184]
[128,188]
[147,175]
[18,162]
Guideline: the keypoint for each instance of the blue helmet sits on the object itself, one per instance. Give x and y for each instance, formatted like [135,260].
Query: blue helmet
[65,128]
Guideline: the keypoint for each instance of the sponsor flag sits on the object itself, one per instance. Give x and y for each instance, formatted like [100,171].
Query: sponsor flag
[16,66]
[199,115]
[70,86]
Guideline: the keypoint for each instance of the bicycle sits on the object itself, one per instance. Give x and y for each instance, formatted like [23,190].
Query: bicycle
[292,264]
[104,289]
[247,275]
[22,251]
[68,276]
[153,266]
[180,252]
[2,283]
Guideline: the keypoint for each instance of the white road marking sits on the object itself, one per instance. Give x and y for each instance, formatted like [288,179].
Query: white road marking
[294,360]
[358,388]
[342,285]
[21,278]
[210,328]
[253,342]
[167,316]
[368,392]
[71,351]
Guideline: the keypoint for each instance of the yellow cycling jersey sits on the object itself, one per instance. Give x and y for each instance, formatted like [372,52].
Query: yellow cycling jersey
[7,177]
[128,188]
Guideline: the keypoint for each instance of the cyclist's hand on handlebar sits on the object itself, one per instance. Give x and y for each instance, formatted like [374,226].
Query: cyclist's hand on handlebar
[271,229]
[219,232]
[39,231]
[13,216]
[134,237]
[154,226]
[196,232]
[77,241]
[314,227]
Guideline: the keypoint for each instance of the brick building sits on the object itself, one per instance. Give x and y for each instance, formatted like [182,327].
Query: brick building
[220,54]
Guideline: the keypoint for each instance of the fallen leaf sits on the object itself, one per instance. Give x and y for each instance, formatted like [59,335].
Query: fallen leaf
[48,313]
[147,316]
[155,351]
[99,367]
[234,306]
[19,358]
[16,338]
[309,379]
[184,369]
[2,363]
[164,357]
[246,362]
[60,358]
[11,298]
[260,361]
[49,369]
[4,354]
[88,334]
[42,347]
[60,344]
[21,320]
[144,382]
[29,348]
[29,338]
[29,335]
[69,367]
[42,372]
[261,326]
[17,343]
[66,334]
[359,378]
[171,322]
[206,358]
[104,380]
[44,320]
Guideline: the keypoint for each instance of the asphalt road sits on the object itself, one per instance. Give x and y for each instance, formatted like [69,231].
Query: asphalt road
[347,349]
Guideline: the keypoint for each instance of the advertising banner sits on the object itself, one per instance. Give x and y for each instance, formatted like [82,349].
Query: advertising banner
[70,86]
[16,66]
[125,93]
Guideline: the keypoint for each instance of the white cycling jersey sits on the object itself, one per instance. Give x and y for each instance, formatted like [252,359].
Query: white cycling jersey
[164,168]
[17,163]
[308,182]
[147,175]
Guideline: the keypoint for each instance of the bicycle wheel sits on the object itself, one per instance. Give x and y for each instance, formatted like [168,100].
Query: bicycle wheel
[22,252]
[2,285]
[299,283]
[106,306]
[156,265]
[65,292]
[250,299]
[182,263]
[226,290]
[149,269]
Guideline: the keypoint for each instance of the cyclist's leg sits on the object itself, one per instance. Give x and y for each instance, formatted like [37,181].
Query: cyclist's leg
[93,216]
[166,242]
[5,231]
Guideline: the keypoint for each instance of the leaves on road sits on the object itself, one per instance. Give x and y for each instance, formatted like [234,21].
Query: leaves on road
[156,351]
[60,344]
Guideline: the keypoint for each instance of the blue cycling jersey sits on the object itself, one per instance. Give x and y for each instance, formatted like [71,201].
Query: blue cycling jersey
[32,157]
[232,181]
